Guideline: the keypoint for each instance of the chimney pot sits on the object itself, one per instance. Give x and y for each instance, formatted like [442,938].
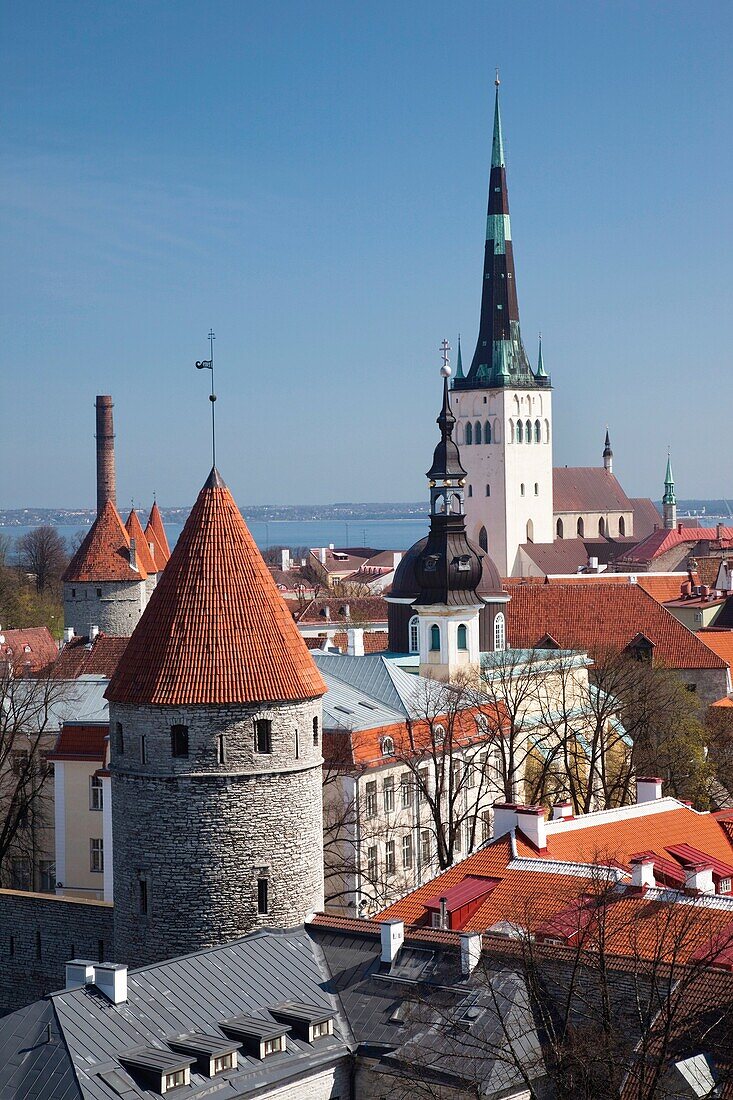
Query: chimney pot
[470,952]
[68,633]
[392,933]
[642,873]
[79,972]
[562,811]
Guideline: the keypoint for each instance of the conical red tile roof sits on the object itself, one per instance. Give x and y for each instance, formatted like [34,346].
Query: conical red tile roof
[216,629]
[155,523]
[134,529]
[104,555]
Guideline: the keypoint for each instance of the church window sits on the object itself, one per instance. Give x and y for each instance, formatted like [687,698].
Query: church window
[581,527]
[470,490]
[439,734]
[530,531]
[511,431]
[547,431]
[537,432]
[263,735]
[483,540]
[497,432]
[435,638]
[499,632]
[179,740]
[621,526]
[602,527]
[119,738]
[263,900]
[413,630]
[536,489]
[529,431]
[559,528]
[487,432]
[462,637]
[520,432]
[477,432]
[516,405]
[469,433]
[521,489]
[315,731]
[488,490]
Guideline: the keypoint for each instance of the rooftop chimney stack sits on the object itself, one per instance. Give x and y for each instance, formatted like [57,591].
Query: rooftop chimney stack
[106,482]
[648,788]
[642,873]
[392,935]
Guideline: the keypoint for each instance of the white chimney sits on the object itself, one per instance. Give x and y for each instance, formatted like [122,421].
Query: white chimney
[355,641]
[562,811]
[531,821]
[330,546]
[593,565]
[111,979]
[699,879]
[393,936]
[396,558]
[505,818]
[470,952]
[285,560]
[79,972]
[648,788]
[68,633]
[322,555]
[133,555]
[642,873]
[93,632]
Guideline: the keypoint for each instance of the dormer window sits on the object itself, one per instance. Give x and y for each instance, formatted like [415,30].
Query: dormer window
[212,1054]
[159,1068]
[463,563]
[431,563]
[308,1022]
[260,1038]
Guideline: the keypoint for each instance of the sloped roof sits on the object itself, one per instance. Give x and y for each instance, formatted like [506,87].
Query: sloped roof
[216,629]
[104,555]
[155,522]
[81,742]
[375,641]
[135,531]
[361,609]
[720,641]
[664,539]
[31,648]
[646,516]
[80,657]
[587,489]
[600,616]
[561,556]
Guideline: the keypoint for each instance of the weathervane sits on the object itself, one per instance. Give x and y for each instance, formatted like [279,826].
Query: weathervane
[444,349]
[208,364]
[497,81]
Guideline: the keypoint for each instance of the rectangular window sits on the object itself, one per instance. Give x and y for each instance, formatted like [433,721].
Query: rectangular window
[388,788]
[407,851]
[99,593]
[221,749]
[486,825]
[724,886]
[372,862]
[175,1080]
[263,735]
[319,1031]
[143,896]
[262,895]
[222,1062]
[47,877]
[297,744]
[143,752]
[96,855]
[95,792]
[274,1046]
[179,740]
[406,790]
[315,731]
[370,808]
[119,738]
[389,857]
[425,846]
[422,784]
[457,839]
[19,761]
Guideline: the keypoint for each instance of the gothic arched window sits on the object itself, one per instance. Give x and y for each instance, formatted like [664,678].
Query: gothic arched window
[559,529]
[511,431]
[621,526]
[435,638]
[483,540]
[602,527]
[462,635]
[499,631]
[487,432]
[496,434]
[537,432]
[477,432]
[488,490]
[547,431]
[520,432]
[469,433]
[413,634]
[529,431]
[581,527]
[530,531]
[470,490]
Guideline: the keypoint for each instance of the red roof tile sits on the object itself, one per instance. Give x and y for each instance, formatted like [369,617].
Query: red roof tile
[216,629]
[720,641]
[135,531]
[664,539]
[155,522]
[81,743]
[600,616]
[587,489]
[104,555]
[80,657]
[29,650]
[338,610]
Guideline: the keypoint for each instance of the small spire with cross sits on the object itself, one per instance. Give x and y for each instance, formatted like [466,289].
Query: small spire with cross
[444,349]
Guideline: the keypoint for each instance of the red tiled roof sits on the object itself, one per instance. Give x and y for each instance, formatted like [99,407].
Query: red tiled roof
[81,743]
[104,555]
[142,549]
[720,641]
[375,641]
[361,609]
[662,586]
[79,657]
[599,616]
[664,539]
[216,629]
[587,489]
[561,556]
[29,649]
[155,522]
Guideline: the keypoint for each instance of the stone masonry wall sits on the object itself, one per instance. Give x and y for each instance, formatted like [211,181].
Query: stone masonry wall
[198,834]
[117,611]
[39,933]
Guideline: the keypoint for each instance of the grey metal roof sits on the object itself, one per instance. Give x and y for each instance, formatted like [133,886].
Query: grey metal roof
[375,677]
[31,1066]
[348,707]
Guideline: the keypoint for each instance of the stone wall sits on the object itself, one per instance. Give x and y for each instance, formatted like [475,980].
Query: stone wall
[194,835]
[39,933]
[333,1083]
[708,684]
[116,611]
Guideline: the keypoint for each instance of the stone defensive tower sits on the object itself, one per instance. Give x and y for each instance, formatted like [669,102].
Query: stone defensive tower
[105,435]
[215,729]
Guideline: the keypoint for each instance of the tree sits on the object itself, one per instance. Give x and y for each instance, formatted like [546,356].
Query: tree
[41,553]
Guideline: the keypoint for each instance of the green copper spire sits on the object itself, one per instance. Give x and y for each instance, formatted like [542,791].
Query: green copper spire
[541,373]
[459,361]
[669,497]
[497,145]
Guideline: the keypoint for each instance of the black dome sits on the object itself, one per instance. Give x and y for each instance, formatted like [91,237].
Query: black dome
[405,585]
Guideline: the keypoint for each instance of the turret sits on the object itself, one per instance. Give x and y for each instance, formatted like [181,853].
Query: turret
[669,500]
[608,454]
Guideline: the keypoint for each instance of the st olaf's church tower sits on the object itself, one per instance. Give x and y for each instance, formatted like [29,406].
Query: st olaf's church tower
[503,407]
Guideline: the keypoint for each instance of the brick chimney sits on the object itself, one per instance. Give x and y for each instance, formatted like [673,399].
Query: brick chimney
[106,483]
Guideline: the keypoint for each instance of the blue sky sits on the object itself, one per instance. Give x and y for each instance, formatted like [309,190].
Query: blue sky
[310,179]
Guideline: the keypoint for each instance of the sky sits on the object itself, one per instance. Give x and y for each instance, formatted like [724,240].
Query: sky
[310,180]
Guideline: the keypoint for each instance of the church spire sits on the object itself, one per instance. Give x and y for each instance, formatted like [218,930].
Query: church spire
[608,454]
[669,500]
[500,358]
[459,360]
[541,372]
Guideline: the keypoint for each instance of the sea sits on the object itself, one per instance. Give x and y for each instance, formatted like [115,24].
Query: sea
[393,534]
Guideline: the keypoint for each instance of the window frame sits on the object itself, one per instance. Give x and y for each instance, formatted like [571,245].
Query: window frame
[263,736]
[96,855]
[96,793]
[179,741]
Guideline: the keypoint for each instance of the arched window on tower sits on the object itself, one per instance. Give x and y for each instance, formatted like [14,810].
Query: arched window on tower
[455,504]
[581,527]
[462,636]
[511,431]
[470,490]
[530,531]
[477,432]
[497,431]
[528,427]
[520,432]
[537,432]
[559,529]
[483,540]
[499,631]
[413,634]
[521,489]
[487,432]
[547,431]
[602,527]
[621,525]
[469,433]
[435,638]
[488,490]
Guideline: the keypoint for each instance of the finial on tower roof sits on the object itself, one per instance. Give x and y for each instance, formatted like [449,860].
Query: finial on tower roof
[497,82]
[497,145]
[445,370]
[541,372]
[459,360]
